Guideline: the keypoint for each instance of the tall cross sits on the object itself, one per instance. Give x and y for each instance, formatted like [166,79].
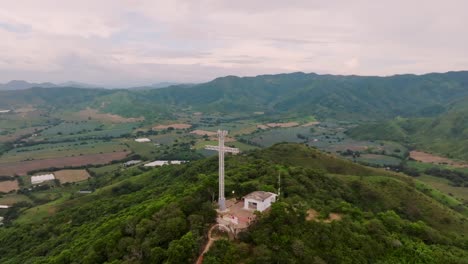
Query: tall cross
[222,149]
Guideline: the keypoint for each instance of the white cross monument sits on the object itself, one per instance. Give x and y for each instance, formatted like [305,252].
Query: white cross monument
[222,149]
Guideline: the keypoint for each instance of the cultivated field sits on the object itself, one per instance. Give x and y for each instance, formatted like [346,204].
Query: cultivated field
[430,158]
[22,168]
[203,133]
[105,117]
[60,150]
[65,176]
[288,124]
[7,186]
[12,198]
[175,126]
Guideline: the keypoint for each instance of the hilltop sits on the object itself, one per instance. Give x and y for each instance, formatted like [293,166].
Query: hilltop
[162,216]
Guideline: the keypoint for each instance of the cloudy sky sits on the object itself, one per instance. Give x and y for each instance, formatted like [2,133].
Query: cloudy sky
[135,42]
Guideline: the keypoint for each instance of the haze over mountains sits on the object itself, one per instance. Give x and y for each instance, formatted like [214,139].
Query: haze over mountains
[22,85]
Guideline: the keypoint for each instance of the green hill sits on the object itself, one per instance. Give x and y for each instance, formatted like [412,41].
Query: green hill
[325,96]
[446,134]
[162,216]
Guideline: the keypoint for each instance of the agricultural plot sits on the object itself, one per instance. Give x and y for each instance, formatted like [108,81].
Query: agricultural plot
[431,158]
[65,176]
[380,160]
[85,130]
[165,139]
[93,114]
[173,126]
[272,136]
[105,169]
[59,150]
[77,127]
[12,198]
[146,150]
[8,186]
[22,168]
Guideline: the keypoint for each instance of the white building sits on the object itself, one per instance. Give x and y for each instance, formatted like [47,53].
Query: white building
[131,163]
[4,111]
[159,163]
[42,178]
[141,140]
[4,206]
[259,200]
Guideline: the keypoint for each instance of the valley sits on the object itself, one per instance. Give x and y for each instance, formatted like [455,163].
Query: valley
[333,155]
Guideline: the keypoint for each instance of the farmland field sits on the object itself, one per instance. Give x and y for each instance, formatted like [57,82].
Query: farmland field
[174,126]
[84,130]
[430,158]
[8,186]
[10,199]
[65,176]
[381,160]
[93,114]
[22,168]
[59,150]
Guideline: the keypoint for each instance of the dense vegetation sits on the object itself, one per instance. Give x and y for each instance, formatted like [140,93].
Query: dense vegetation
[446,134]
[162,216]
[325,96]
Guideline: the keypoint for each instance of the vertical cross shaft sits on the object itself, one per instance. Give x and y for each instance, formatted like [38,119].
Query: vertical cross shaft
[222,199]
[221,149]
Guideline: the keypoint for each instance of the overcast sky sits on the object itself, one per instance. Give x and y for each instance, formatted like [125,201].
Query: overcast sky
[126,43]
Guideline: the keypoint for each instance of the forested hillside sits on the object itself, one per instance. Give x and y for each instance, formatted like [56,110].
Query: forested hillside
[446,134]
[162,215]
[325,96]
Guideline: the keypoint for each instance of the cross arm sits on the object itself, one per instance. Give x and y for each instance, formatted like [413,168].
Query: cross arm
[225,149]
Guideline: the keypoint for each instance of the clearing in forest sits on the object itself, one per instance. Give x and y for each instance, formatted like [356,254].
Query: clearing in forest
[312,215]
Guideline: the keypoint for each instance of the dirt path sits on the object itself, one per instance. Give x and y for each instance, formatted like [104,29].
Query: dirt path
[208,244]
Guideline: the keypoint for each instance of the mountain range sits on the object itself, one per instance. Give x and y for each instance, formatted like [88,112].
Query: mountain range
[22,85]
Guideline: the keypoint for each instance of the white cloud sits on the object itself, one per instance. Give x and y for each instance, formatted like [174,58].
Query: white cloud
[132,42]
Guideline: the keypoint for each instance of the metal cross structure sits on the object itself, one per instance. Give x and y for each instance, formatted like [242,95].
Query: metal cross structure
[222,149]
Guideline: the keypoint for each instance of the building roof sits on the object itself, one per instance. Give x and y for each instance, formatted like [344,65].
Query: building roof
[132,162]
[164,162]
[259,195]
[142,140]
[42,178]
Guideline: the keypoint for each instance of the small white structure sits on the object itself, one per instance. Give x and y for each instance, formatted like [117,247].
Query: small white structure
[159,163]
[259,200]
[4,111]
[142,140]
[4,206]
[131,162]
[42,178]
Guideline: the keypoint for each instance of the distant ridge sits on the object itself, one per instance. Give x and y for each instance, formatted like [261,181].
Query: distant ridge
[23,85]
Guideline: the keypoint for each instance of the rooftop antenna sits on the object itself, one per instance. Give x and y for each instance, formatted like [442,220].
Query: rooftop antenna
[222,149]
